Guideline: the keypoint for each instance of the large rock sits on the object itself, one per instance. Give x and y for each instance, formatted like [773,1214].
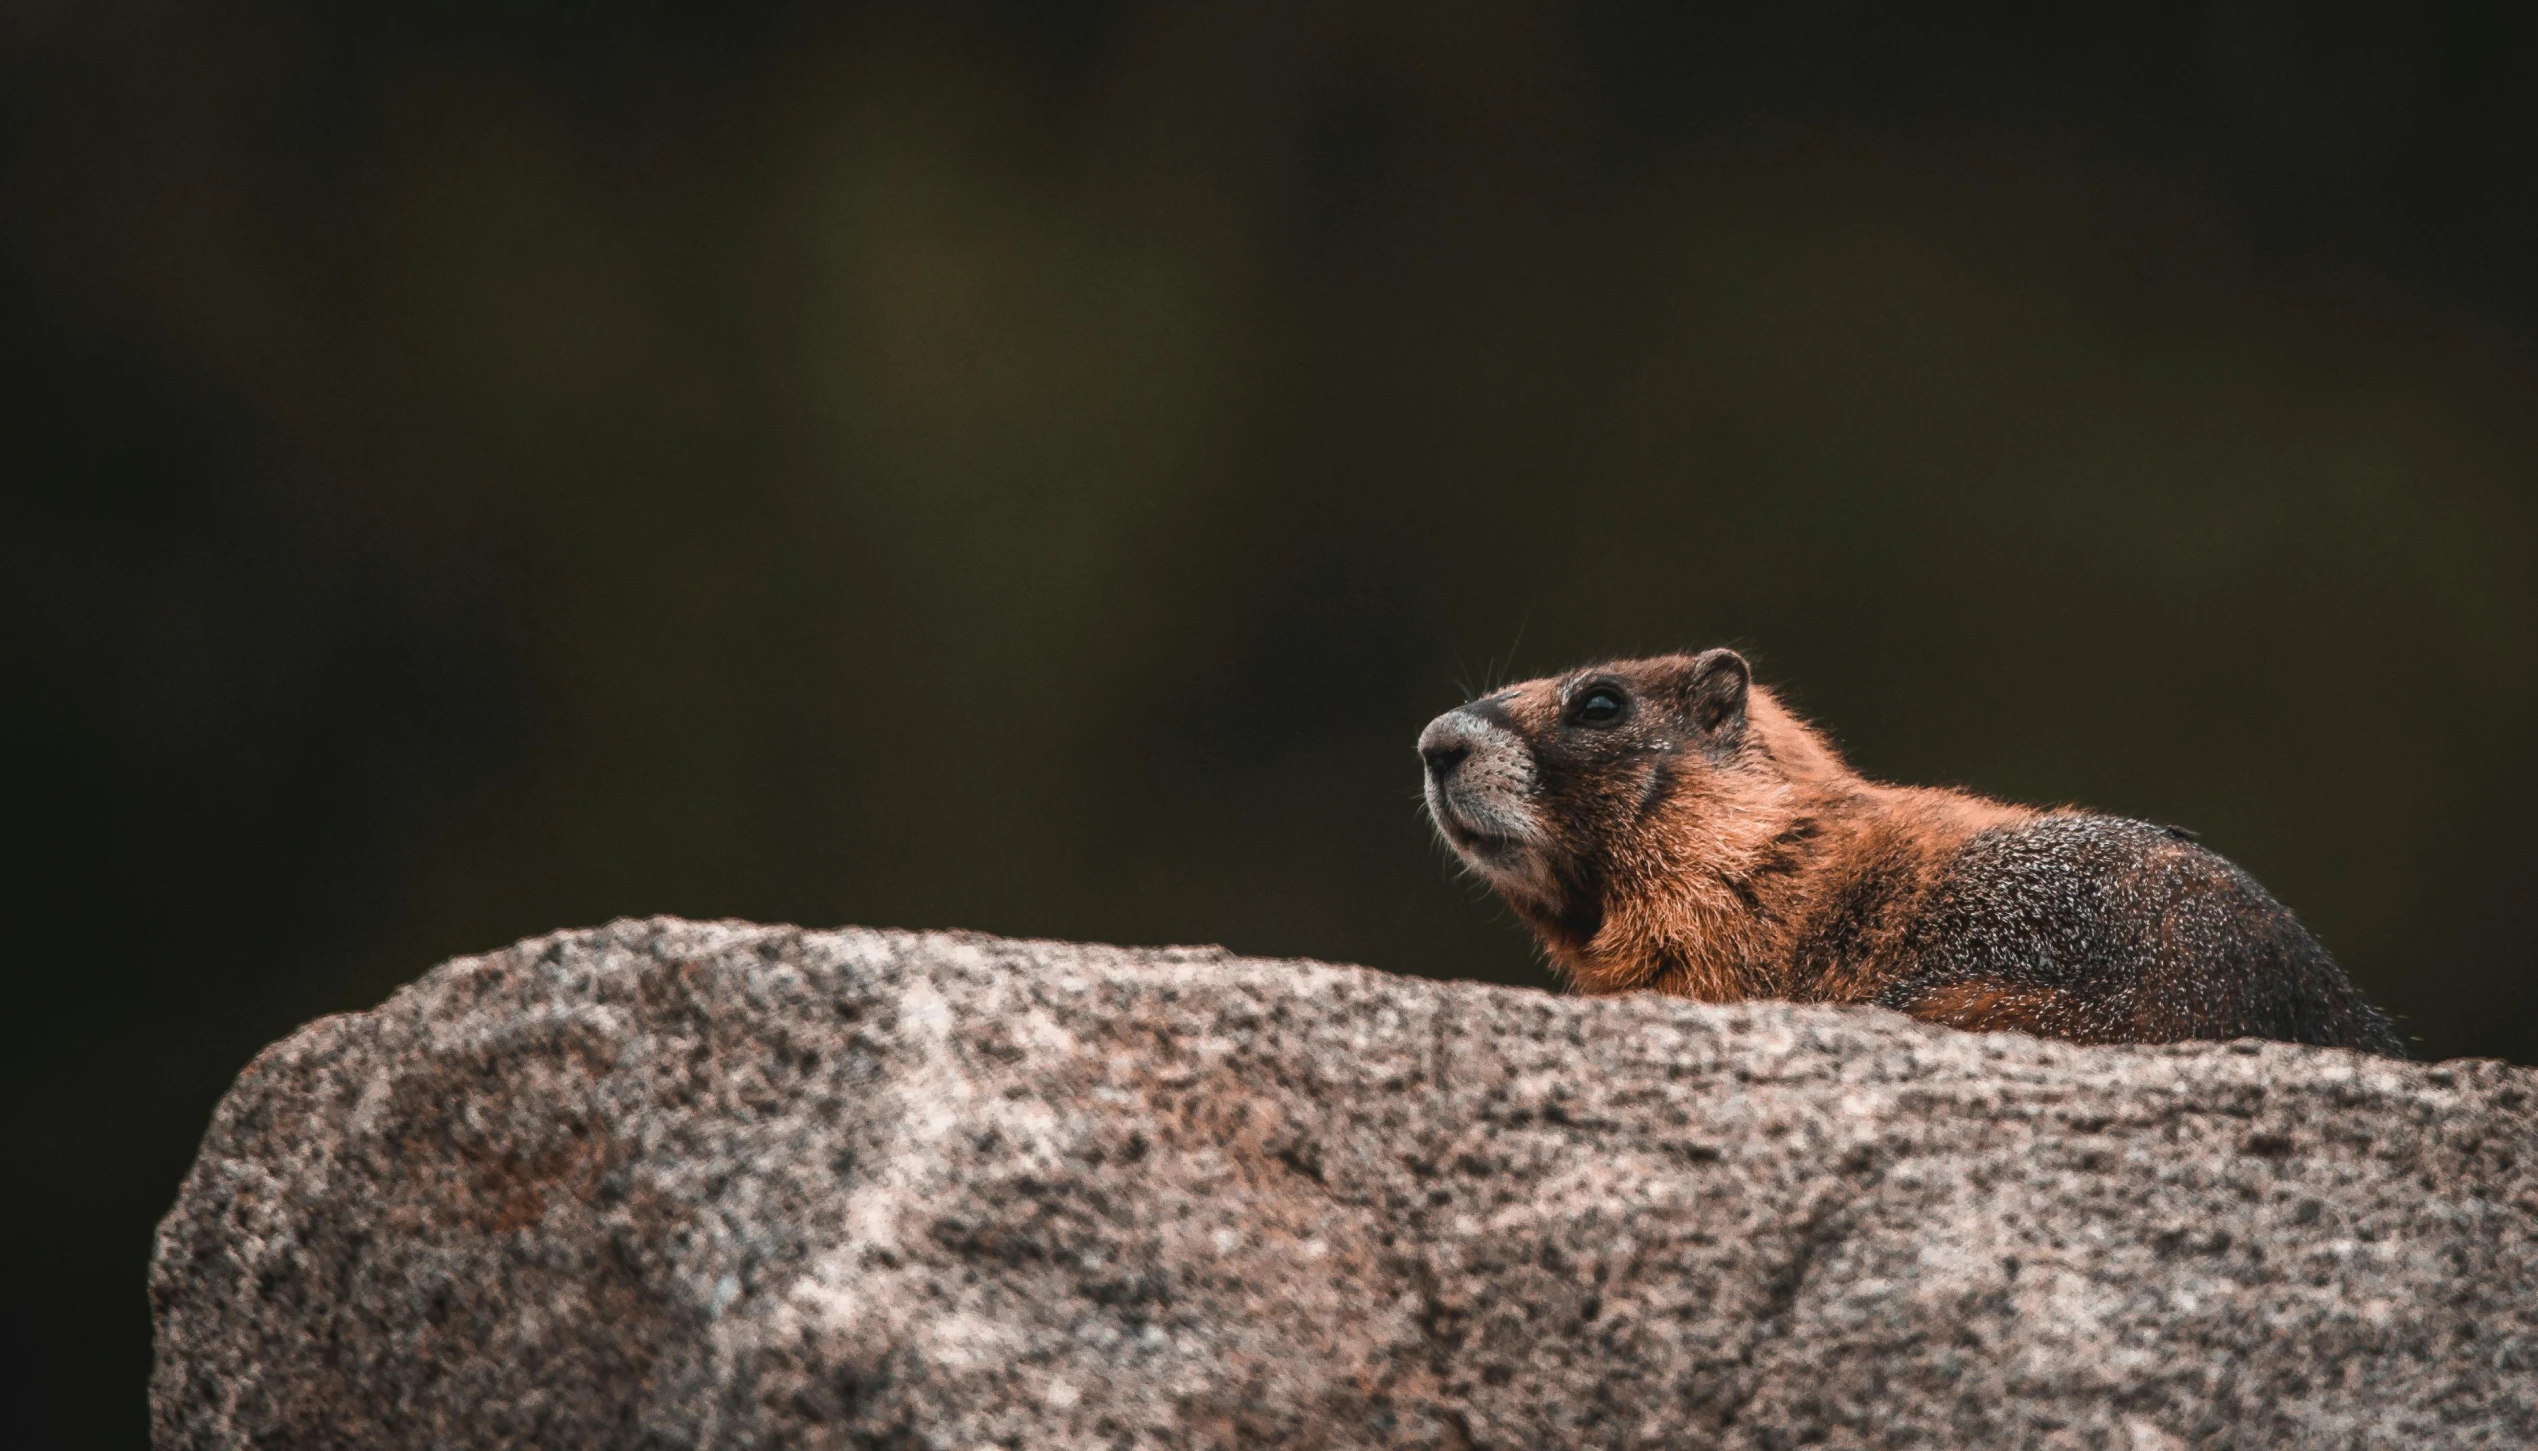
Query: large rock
[673,1184]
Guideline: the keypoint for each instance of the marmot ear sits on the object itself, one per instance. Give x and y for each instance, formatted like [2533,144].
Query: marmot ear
[1714,689]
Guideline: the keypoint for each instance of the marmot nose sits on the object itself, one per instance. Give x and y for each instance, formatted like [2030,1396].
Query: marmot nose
[1444,744]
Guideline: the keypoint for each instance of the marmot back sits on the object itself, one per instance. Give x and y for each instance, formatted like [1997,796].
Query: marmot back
[1665,824]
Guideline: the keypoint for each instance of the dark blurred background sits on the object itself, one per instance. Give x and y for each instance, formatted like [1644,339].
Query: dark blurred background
[471,467]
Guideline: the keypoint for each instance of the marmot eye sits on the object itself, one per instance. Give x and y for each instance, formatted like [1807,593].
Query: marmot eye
[1602,705]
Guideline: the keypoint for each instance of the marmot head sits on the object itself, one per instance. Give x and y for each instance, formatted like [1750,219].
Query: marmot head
[1606,804]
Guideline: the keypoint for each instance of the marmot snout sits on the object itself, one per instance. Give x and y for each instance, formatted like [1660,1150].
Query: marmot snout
[1666,824]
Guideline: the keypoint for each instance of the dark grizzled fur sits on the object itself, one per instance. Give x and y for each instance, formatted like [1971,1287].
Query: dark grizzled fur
[2119,931]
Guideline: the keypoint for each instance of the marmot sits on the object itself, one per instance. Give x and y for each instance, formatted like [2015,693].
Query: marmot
[1667,824]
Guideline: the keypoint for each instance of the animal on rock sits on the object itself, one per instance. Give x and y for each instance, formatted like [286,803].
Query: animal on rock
[1666,824]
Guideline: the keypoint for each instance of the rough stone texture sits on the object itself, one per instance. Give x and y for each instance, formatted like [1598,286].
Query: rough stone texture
[672,1184]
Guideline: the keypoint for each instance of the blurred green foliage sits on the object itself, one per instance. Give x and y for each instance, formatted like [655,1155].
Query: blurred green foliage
[475,468]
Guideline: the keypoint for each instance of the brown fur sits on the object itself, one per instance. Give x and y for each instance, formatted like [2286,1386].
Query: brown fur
[1709,844]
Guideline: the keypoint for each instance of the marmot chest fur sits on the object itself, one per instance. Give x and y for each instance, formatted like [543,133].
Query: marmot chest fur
[1665,824]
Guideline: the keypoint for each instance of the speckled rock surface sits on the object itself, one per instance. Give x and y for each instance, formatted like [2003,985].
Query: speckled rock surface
[673,1184]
